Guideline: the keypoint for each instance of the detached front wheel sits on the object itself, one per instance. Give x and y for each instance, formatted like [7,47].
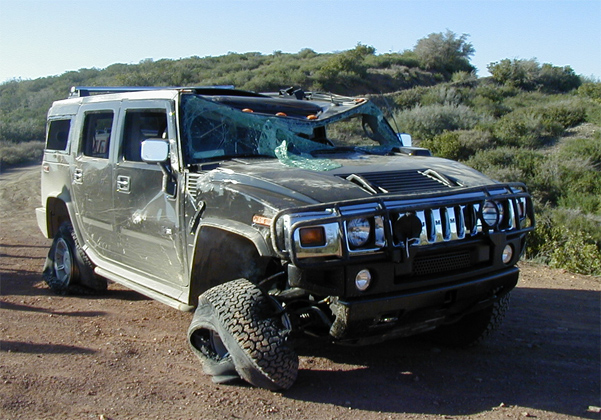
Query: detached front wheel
[239,332]
[68,269]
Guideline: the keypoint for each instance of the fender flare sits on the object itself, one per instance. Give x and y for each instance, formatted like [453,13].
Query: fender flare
[240,229]
[59,209]
[226,250]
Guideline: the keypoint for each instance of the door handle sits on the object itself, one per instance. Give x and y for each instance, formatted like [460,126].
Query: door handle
[123,184]
[78,175]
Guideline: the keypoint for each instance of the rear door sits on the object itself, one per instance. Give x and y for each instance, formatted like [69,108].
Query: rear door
[91,177]
[147,221]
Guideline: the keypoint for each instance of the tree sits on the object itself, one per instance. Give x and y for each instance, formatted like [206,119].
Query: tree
[446,53]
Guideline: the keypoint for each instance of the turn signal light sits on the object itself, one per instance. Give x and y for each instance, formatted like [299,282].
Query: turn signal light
[312,236]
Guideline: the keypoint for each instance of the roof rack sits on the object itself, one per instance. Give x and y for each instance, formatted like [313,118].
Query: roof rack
[79,91]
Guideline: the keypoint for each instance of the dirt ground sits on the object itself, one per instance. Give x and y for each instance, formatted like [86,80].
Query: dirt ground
[123,356]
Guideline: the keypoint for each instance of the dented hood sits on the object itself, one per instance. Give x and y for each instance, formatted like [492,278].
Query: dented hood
[357,177]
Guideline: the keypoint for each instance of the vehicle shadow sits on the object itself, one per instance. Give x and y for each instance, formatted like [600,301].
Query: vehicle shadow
[545,357]
[37,348]
[30,283]
[11,306]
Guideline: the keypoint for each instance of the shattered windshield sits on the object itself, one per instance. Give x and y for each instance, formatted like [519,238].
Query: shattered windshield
[213,131]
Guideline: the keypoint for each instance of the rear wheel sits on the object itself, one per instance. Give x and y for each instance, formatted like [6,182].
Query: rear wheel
[473,328]
[68,269]
[237,331]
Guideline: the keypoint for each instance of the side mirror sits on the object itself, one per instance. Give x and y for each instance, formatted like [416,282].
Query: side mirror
[405,139]
[155,151]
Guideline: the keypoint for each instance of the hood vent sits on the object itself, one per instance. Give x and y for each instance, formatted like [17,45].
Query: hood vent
[401,182]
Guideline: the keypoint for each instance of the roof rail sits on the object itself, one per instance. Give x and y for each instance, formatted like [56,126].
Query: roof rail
[79,91]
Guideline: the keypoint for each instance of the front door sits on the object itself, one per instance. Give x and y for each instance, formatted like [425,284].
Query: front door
[147,220]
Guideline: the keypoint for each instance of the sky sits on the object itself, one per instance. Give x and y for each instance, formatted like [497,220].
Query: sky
[40,38]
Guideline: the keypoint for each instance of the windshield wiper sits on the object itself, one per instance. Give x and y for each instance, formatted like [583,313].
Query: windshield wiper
[336,149]
[354,149]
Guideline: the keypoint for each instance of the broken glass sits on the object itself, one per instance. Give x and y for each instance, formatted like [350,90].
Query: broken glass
[216,131]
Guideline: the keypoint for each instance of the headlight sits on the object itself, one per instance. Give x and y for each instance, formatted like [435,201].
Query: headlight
[492,213]
[358,231]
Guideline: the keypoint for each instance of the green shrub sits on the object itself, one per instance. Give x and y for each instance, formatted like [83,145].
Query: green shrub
[508,164]
[425,122]
[568,113]
[563,239]
[460,144]
[530,75]
[593,112]
[18,153]
[517,73]
[490,99]
[526,129]
[445,94]
[409,98]
[465,78]
[577,147]
[591,90]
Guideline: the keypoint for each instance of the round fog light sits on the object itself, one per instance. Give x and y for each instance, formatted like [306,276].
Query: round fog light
[363,280]
[507,254]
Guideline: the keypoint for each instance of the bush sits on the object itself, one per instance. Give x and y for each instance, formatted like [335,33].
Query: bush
[590,148]
[407,99]
[509,164]
[425,122]
[18,153]
[563,239]
[460,144]
[591,90]
[568,113]
[529,75]
[579,176]
[445,94]
[526,129]
[489,99]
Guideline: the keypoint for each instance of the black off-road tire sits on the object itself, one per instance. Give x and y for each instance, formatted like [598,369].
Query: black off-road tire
[473,328]
[239,331]
[68,270]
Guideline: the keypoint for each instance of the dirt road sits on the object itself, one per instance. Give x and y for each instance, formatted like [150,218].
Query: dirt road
[122,356]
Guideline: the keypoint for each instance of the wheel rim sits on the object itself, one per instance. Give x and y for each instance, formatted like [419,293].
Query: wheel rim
[217,345]
[63,262]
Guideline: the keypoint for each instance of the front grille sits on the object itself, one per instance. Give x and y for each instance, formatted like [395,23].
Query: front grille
[428,265]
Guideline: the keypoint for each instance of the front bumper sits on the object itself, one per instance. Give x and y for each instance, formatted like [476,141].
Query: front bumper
[363,321]
[40,214]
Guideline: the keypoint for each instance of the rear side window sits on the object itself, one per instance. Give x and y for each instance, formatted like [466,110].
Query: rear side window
[58,134]
[97,134]
[142,124]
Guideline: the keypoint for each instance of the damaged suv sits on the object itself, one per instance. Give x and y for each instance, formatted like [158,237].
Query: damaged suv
[271,216]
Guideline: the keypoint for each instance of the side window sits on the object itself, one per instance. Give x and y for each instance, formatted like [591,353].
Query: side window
[97,134]
[58,134]
[142,124]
